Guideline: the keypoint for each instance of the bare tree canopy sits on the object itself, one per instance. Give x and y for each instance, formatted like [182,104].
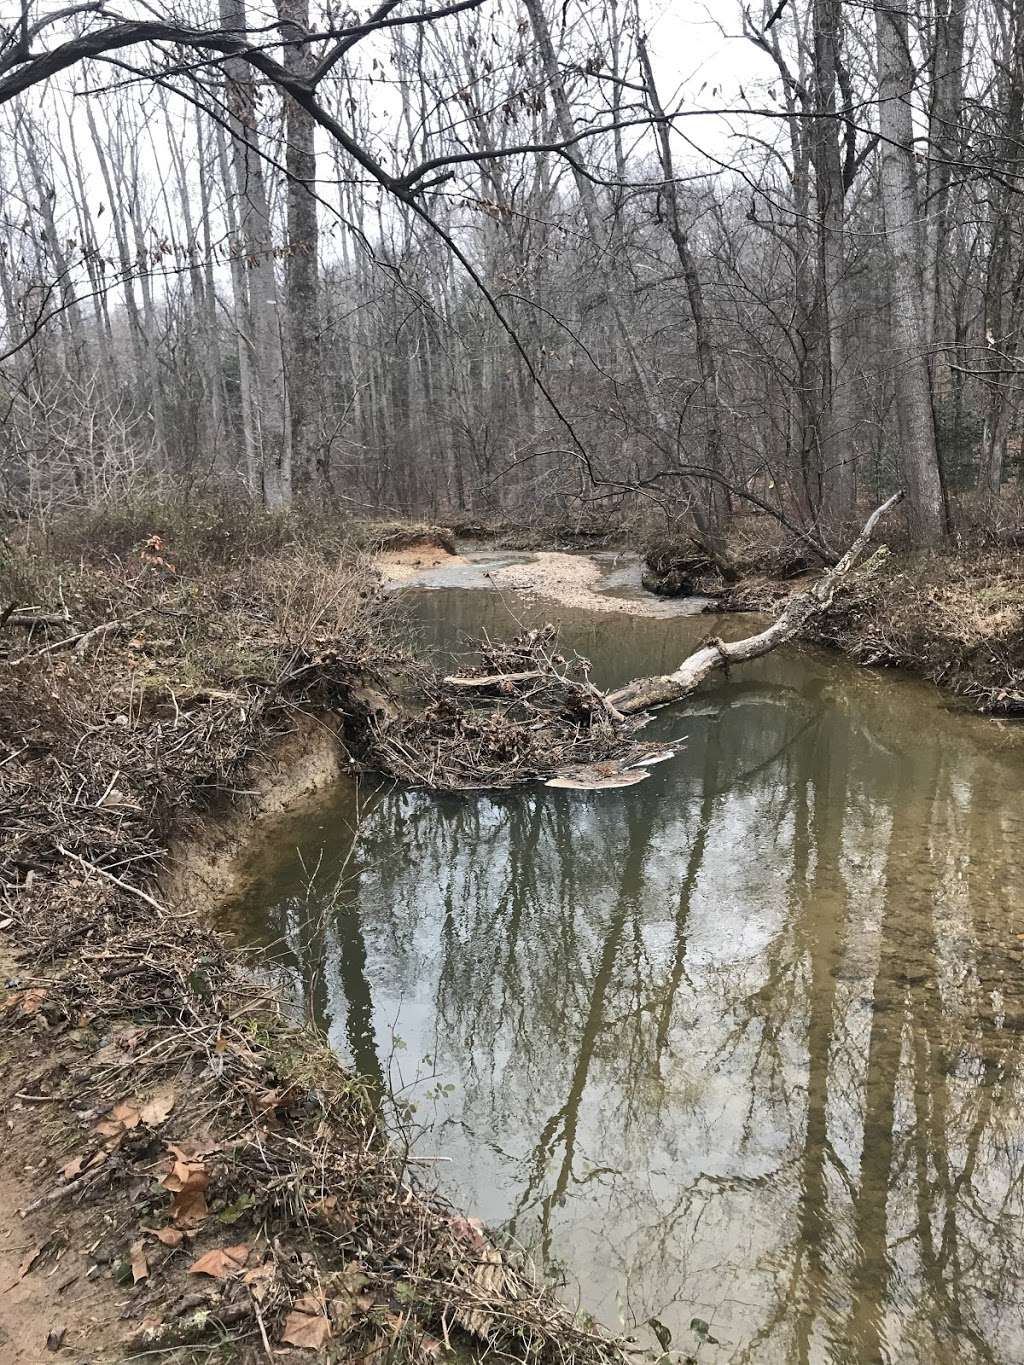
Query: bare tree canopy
[470,258]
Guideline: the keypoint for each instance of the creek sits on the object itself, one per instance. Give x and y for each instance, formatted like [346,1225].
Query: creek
[740,1048]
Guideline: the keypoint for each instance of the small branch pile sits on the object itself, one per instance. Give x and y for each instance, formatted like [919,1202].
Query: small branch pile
[523,712]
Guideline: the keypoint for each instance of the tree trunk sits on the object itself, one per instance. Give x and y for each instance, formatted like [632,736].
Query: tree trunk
[835,431]
[301,280]
[926,505]
[707,363]
[256,231]
[644,693]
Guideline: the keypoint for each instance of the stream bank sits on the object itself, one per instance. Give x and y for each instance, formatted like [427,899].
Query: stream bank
[186,1165]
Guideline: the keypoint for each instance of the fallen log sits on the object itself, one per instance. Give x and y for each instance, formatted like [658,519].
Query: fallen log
[644,693]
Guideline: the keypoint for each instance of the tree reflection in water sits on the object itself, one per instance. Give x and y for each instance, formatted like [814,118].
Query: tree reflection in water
[742,1044]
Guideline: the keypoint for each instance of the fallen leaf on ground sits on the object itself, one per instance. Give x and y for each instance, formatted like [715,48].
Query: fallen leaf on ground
[185,1172]
[189,1208]
[188,1180]
[259,1279]
[171,1237]
[222,1263]
[157,1107]
[74,1167]
[306,1325]
[121,1119]
[139,1264]
[27,1003]
[471,1230]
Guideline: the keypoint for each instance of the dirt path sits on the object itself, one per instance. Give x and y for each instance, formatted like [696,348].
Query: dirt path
[50,1307]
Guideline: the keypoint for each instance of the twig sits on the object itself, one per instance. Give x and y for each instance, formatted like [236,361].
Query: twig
[125,886]
[53,1195]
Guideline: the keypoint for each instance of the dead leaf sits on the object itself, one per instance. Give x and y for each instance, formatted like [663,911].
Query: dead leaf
[260,1279]
[121,1119]
[185,1173]
[188,1180]
[139,1264]
[306,1325]
[189,1208]
[171,1237]
[73,1168]
[27,1003]
[472,1230]
[158,1106]
[223,1263]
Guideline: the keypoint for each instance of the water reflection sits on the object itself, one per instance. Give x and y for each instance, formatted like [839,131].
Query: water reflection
[741,1047]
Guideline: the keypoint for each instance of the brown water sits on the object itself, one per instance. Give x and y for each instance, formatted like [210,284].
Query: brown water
[740,1048]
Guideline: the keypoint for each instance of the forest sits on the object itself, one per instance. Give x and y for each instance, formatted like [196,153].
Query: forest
[493,258]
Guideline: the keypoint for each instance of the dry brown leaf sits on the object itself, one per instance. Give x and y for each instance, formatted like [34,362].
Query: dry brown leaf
[185,1174]
[26,1003]
[306,1325]
[188,1180]
[171,1237]
[121,1119]
[189,1208]
[139,1264]
[260,1279]
[74,1167]
[158,1106]
[222,1263]
[471,1230]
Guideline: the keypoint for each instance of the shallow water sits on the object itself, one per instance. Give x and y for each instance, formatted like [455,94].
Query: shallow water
[740,1048]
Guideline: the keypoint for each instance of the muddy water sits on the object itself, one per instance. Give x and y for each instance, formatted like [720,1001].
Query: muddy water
[740,1048]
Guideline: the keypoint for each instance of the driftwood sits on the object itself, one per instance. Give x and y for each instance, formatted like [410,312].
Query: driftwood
[644,693]
[11,617]
[489,680]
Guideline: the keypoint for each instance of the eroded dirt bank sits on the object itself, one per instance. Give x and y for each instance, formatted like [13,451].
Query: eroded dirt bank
[189,1165]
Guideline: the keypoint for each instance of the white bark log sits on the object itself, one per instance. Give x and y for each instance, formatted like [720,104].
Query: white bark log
[644,693]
